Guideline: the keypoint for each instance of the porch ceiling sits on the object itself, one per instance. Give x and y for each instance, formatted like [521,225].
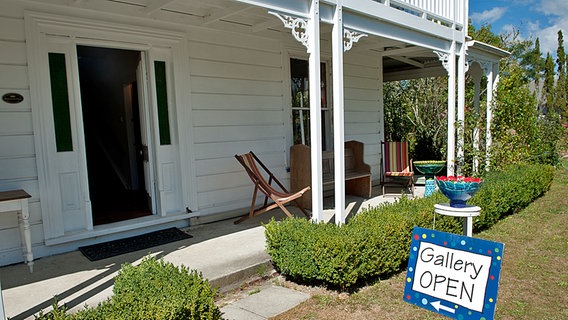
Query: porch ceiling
[229,15]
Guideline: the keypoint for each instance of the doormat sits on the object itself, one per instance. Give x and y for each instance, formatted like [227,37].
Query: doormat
[121,246]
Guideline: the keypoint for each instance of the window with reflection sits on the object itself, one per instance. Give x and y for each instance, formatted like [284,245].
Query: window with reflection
[299,70]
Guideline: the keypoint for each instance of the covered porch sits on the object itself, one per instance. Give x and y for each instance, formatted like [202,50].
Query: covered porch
[76,281]
[228,69]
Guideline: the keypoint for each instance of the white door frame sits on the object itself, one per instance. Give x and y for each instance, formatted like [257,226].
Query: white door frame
[77,31]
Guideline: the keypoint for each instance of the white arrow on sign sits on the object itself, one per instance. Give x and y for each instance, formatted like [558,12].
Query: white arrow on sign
[438,305]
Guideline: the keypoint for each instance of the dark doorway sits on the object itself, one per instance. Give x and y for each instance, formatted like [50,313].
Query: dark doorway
[111,118]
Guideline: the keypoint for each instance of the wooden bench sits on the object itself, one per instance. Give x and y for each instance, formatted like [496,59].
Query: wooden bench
[357,172]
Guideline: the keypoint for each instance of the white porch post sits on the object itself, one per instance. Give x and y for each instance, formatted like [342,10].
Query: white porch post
[338,113]
[451,68]
[475,73]
[462,69]
[461,106]
[495,76]
[307,31]
[488,138]
[313,31]
[492,72]
[449,62]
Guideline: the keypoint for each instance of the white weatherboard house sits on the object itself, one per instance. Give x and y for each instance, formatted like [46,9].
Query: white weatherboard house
[120,117]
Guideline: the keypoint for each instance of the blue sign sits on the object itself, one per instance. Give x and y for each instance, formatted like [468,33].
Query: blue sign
[453,275]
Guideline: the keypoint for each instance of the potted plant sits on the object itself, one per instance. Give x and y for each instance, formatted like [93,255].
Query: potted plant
[458,189]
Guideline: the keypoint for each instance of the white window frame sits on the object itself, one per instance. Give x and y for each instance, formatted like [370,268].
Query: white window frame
[327,119]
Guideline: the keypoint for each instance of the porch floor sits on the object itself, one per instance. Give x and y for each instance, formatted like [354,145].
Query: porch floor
[225,253]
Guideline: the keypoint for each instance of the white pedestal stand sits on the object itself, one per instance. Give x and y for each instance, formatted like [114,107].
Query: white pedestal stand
[468,212]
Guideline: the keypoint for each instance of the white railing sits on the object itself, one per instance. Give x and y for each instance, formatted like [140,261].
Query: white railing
[450,13]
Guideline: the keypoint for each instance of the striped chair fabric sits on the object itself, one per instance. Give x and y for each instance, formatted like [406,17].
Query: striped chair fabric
[397,162]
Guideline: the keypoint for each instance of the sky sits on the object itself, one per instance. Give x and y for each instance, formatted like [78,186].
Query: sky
[534,18]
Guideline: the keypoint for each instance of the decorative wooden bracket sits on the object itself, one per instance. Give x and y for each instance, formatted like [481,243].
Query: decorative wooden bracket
[350,37]
[298,26]
[443,57]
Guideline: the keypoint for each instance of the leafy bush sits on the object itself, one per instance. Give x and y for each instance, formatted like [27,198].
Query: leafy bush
[507,191]
[375,242]
[521,134]
[155,289]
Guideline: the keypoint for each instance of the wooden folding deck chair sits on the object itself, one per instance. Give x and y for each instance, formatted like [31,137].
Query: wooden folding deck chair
[396,165]
[280,198]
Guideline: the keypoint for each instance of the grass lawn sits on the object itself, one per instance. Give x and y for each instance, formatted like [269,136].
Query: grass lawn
[534,276]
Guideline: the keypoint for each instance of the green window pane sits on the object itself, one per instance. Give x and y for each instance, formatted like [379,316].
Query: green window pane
[162,98]
[60,102]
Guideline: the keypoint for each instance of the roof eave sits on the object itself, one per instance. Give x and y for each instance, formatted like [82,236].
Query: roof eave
[488,50]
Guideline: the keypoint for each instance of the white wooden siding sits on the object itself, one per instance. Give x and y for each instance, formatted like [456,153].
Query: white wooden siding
[13,77]
[237,106]
[11,28]
[363,113]
[18,168]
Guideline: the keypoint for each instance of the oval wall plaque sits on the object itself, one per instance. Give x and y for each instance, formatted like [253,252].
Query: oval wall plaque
[12,98]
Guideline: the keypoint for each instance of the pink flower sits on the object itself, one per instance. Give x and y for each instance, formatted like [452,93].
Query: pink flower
[458,179]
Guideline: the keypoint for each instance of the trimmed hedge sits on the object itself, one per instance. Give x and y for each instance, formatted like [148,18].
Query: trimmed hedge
[375,242]
[507,192]
[155,289]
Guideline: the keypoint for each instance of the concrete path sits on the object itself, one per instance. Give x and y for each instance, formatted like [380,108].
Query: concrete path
[268,302]
[226,254]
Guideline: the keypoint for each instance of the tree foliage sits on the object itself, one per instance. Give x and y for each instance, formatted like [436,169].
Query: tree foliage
[514,116]
[522,132]
[485,35]
[549,83]
[560,100]
[525,126]
[415,111]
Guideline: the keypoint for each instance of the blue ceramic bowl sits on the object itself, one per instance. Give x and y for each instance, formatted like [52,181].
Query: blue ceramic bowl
[458,192]
[429,167]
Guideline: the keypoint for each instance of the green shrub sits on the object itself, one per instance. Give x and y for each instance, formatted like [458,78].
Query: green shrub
[379,255]
[58,312]
[155,289]
[342,256]
[375,242]
[507,191]
[290,246]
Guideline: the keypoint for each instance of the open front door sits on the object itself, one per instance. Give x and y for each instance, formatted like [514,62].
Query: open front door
[145,149]
[157,146]
[69,201]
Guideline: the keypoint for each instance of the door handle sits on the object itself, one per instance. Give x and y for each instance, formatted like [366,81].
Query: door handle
[144,153]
